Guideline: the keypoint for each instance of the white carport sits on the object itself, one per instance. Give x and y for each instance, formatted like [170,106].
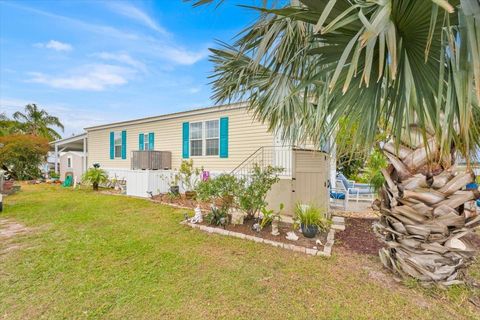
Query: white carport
[75,143]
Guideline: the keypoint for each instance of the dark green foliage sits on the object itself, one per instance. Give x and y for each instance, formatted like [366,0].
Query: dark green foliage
[217,216]
[22,155]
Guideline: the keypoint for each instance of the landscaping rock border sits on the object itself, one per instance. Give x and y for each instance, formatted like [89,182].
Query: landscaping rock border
[326,252]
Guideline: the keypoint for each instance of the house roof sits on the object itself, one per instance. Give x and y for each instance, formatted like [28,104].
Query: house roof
[171,115]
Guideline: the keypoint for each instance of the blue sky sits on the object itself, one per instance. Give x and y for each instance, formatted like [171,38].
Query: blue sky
[92,62]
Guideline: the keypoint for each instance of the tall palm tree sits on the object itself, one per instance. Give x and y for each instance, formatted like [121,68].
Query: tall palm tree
[8,126]
[38,122]
[407,68]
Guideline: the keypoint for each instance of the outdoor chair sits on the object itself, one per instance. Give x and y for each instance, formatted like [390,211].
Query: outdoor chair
[352,190]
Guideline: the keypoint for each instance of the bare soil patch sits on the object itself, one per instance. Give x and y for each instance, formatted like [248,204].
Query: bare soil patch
[9,230]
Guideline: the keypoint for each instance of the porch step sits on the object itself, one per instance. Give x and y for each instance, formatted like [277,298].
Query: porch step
[338,223]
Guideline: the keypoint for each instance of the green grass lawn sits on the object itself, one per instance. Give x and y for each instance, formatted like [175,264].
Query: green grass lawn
[90,255]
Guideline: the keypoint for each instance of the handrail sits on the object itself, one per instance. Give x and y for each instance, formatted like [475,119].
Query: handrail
[267,155]
[246,159]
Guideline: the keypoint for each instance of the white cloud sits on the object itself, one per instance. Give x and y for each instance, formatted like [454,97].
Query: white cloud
[136,14]
[93,77]
[124,58]
[182,56]
[55,45]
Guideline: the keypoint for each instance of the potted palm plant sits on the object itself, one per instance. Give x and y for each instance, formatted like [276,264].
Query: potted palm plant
[95,176]
[311,220]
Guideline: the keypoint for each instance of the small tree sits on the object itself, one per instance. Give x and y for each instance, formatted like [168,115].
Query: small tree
[188,175]
[95,176]
[22,155]
[252,197]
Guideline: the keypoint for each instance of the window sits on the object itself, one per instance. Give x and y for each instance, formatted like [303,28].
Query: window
[69,162]
[146,144]
[211,135]
[196,138]
[204,136]
[118,144]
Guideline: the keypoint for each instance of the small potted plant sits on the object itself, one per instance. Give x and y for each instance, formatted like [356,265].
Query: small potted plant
[95,176]
[311,220]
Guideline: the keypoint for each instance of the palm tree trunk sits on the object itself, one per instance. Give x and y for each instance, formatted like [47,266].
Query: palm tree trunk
[425,215]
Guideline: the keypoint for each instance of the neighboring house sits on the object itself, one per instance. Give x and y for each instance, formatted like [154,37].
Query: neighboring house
[218,139]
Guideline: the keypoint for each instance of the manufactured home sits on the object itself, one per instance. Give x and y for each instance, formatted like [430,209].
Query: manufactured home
[220,139]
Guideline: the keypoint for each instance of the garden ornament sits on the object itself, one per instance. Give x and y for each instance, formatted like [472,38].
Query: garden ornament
[197,218]
[291,236]
[256,227]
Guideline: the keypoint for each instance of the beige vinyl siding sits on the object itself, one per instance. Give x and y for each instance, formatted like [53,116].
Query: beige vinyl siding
[245,136]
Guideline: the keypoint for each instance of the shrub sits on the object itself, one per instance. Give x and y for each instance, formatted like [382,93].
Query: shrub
[22,155]
[225,187]
[217,216]
[376,162]
[255,188]
[95,176]
[269,215]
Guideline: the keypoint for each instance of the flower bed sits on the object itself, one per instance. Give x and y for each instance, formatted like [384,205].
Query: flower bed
[302,245]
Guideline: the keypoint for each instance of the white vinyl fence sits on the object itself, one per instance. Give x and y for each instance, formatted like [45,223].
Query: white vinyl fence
[141,182]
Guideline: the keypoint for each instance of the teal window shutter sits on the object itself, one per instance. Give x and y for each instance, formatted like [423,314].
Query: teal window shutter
[112,145]
[185,139]
[140,142]
[151,141]
[224,137]
[124,144]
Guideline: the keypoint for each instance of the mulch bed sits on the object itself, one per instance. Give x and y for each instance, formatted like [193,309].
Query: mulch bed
[358,236]
[283,228]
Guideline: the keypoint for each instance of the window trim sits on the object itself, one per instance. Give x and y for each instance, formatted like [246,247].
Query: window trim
[115,144]
[146,142]
[69,162]
[204,138]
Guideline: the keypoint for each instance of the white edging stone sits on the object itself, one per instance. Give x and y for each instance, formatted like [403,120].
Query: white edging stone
[326,252]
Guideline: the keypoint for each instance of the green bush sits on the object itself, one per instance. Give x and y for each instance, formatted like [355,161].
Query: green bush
[22,155]
[217,216]
[225,187]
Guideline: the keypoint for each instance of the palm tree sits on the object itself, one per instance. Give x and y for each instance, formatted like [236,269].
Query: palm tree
[38,122]
[8,126]
[406,68]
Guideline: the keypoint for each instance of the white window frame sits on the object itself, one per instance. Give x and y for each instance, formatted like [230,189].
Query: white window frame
[204,138]
[146,144]
[69,162]
[115,144]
